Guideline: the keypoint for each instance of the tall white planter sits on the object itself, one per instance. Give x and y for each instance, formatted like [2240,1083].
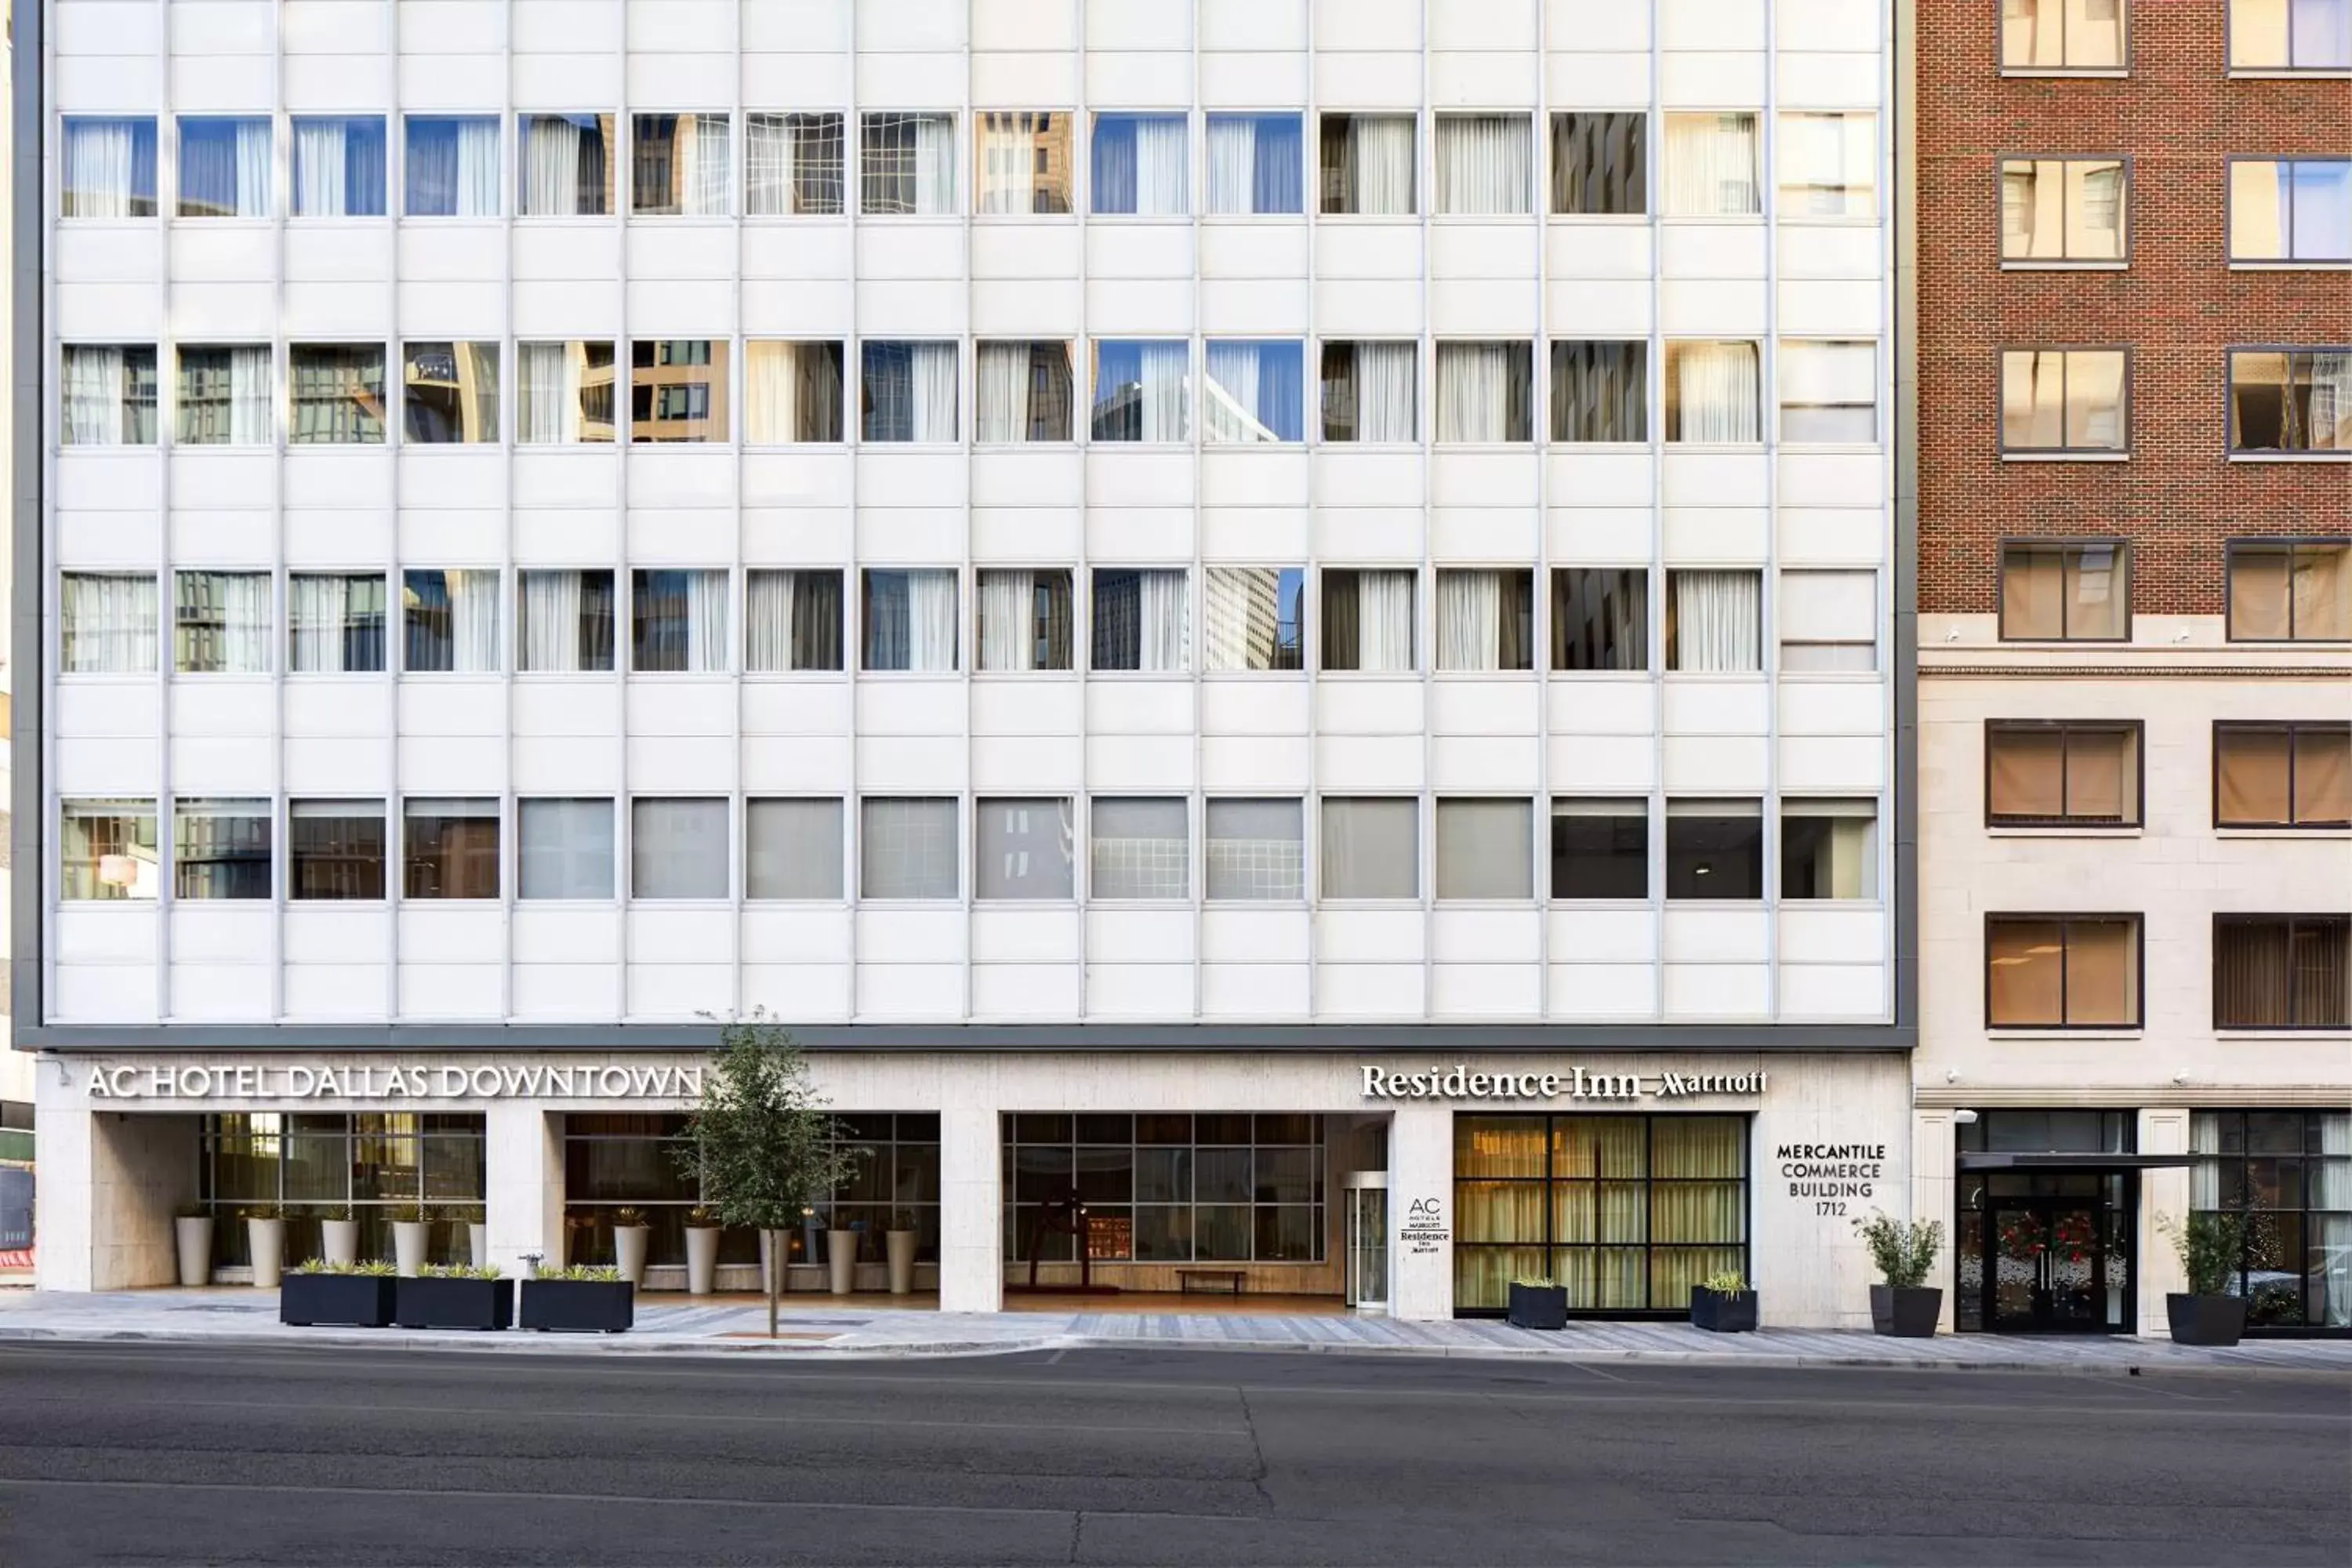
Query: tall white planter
[841,1260]
[408,1245]
[342,1239]
[477,1244]
[702,1260]
[901,1248]
[266,1240]
[629,1250]
[194,1236]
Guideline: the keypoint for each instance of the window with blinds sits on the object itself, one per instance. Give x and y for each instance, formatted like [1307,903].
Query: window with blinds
[2282,775]
[2063,972]
[2061,773]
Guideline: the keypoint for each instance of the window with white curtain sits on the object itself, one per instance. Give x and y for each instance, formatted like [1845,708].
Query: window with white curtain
[450,848]
[1368,619]
[1024,393]
[1025,618]
[566,166]
[678,389]
[221,623]
[227,165]
[563,621]
[1142,390]
[1600,164]
[681,165]
[907,164]
[1712,620]
[220,849]
[1829,849]
[1139,848]
[1486,392]
[1485,164]
[1713,396]
[106,166]
[2288,400]
[1138,164]
[791,392]
[1711,168]
[1368,165]
[1256,390]
[907,392]
[910,620]
[1023,848]
[564,849]
[1829,392]
[907,847]
[2291,209]
[335,849]
[449,621]
[1599,617]
[1485,618]
[106,395]
[1256,164]
[2291,34]
[792,620]
[1486,849]
[680,621]
[1829,620]
[792,165]
[449,392]
[564,394]
[337,394]
[2062,209]
[2064,400]
[2063,35]
[106,624]
[1601,390]
[1369,392]
[1256,850]
[1828,165]
[1250,618]
[677,848]
[452,166]
[1715,849]
[108,851]
[224,396]
[792,850]
[339,165]
[334,623]
[1141,619]
[1370,847]
[1022,163]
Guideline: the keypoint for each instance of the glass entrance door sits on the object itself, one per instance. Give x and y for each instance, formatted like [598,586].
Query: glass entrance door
[2050,1265]
[1368,1241]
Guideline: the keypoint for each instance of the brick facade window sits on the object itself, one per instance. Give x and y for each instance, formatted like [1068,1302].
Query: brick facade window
[2064,209]
[2290,400]
[2064,402]
[2291,34]
[2063,972]
[2053,591]
[2290,590]
[2282,775]
[2291,209]
[2063,35]
[2061,773]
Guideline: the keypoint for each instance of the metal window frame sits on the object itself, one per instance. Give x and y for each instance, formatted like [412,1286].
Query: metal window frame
[2062,452]
[2121,544]
[2230,67]
[2290,921]
[2289,543]
[2126,162]
[2064,728]
[2290,261]
[2230,448]
[2002,67]
[2065,921]
[2291,729]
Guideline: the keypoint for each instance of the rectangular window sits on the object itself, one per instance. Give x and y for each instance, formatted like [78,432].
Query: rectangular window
[1368,392]
[2290,591]
[1712,168]
[1024,849]
[222,622]
[107,851]
[106,166]
[2291,34]
[907,848]
[335,849]
[2290,400]
[680,621]
[1250,618]
[792,620]
[1715,849]
[226,397]
[1368,620]
[226,166]
[1485,618]
[2061,773]
[1023,163]
[1257,851]
[1140,849]
[1828,165]
[792,850]
[2063,972]
[907,392]
[1368,165]
[1166,1188]
[1600,164]
[453,166]
[792,165]
[1829,392]
[1485,164]
[449,392]
[220,849]
[2282,775]
[1486,849]
[677,848]
[907,164]
[791,392]
[106,395]
[566,167]
[1024,393]
[678,389]
[910,620]
[1486,392]
[1713,621]
[1829,849]
[2062,209]
[1141,619]
[566,848]
[1256,164]
[1599,617]
[1599,391]
[1142,391]
[449,850]
[2063,35]
[335,623]
[681,165]
[1256,392]
[563,621]
[2064,400]
[1600,849]
[2296,1168]
[1829,620]
[106,624]
[2282,971]
[2291,209]
[451,621]
[1370,847]
[566,393]
[1713,393]
[339,165]
[337,394]
[2051,592]
[1026,619]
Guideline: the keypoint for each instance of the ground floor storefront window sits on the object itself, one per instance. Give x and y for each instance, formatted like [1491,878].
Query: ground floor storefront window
[1626,1212]
[374,1167]
[1166,1187]
[2296,1168]
[2047,1251]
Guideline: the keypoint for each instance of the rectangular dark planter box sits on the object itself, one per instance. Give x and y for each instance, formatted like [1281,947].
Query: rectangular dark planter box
[1906,1311]
[2205,1319]
[352,1301]
[579,1306]
[1538,1306]
[1723,1314]
[426,1302]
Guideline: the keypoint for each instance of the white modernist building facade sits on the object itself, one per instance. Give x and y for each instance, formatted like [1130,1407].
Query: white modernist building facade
[1119,568]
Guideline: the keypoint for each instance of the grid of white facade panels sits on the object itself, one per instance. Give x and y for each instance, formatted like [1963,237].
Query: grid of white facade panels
[1177,941]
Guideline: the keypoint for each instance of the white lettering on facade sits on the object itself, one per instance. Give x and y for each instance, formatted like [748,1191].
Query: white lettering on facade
[1578,1083]
[304,1080]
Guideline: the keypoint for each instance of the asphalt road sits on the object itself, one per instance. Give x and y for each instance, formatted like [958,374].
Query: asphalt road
[155,1454]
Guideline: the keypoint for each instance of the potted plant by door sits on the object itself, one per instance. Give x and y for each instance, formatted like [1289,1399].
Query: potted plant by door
[1903,1251]
[630,1236]
[1724,1304]
[2213,1246]
[453,1296]
[702,1234]
[265,1238]
[579,1300]
[339,1235]
[898,1244]
[191,1232]
[841,1258]
[354,1295]
[1538,1304]
[412,1225]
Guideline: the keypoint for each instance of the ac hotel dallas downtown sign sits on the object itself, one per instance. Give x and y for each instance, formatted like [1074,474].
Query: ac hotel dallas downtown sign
[394,1081]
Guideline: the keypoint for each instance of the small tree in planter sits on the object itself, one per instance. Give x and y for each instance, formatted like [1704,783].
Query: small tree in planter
[1538,1304]
[2213,1246]
[760,1140]
[1724,1304]
[1905,1252]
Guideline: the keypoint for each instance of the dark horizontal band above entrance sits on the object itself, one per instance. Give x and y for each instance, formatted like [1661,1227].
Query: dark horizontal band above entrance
[1980,1160]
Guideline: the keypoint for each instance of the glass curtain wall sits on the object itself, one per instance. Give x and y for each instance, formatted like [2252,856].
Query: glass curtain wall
[366,1166]
[1167,1188]
[2295,1168]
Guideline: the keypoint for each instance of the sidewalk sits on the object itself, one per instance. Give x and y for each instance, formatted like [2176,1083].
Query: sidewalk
[850,1327]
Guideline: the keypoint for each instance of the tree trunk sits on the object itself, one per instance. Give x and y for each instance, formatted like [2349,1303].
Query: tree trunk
[774,1271]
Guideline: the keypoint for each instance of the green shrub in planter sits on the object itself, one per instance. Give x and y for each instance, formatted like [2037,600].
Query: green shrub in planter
[2213,1247]
[1538,1304]
[453,1296]
[1905,1252]
[352,1295]
[1724,1304]
[579,1300]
